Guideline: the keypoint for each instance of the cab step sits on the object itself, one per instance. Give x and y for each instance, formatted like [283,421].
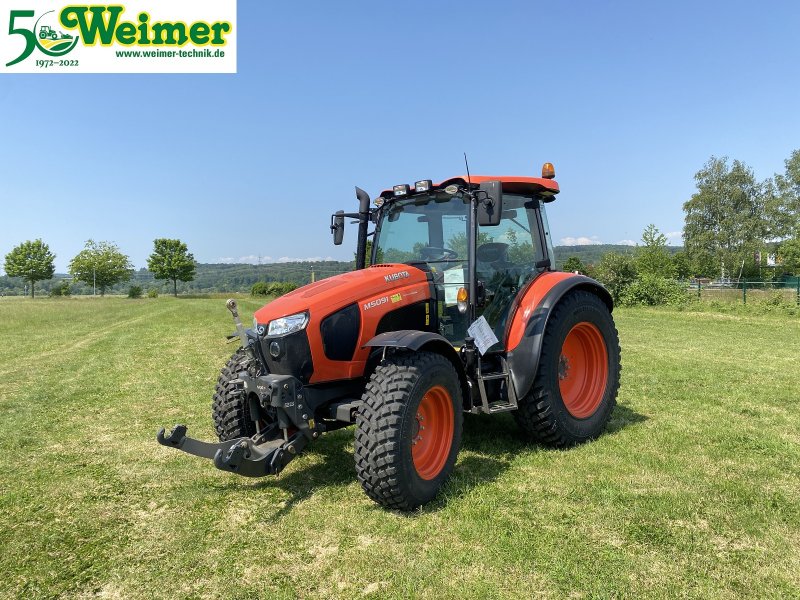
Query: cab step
[490,408]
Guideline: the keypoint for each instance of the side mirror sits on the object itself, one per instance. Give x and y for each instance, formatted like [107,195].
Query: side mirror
[337,227]
[490,203]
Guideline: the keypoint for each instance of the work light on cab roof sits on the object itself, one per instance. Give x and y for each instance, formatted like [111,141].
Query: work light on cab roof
[401,190]
[461,311]
[423,186]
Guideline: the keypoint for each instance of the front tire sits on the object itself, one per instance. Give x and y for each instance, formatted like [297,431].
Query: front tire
[230,409]
[576,384]
[408,429]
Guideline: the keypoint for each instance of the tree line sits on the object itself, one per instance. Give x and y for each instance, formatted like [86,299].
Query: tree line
[100,265]
[650,274]
[736,225]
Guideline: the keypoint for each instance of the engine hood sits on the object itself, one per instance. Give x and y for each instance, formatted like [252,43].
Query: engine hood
[329,295]
[357,301]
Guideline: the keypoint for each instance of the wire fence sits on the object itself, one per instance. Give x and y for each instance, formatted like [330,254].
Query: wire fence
[747,291]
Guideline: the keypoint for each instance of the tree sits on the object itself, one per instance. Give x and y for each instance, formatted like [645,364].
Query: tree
[60,289]
[572,264]
[789,255]
[32,261]
[458,243]
[171,260]
[725,220]
[652,257]
[101,265]
[784,208]
[616,272]
[681,265]
[368,255]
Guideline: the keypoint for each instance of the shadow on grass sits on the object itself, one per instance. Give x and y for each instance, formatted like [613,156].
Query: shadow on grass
[496,434]
[334,466]
[623,417]
[489,443]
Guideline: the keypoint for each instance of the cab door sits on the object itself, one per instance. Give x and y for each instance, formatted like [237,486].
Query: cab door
[507,256]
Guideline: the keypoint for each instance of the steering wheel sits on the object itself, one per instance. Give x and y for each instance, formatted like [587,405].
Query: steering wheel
[435,253]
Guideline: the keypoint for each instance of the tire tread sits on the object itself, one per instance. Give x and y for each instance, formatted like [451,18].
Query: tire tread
[379,422]
[229,410]
[535,415]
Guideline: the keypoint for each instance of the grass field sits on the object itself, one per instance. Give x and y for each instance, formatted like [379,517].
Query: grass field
[694,491]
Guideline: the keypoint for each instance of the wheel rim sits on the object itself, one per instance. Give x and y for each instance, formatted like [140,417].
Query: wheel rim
[583,370]
[432,432]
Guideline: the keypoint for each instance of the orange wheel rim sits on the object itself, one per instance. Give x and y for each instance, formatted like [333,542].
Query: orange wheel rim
[432,432]
[583,370]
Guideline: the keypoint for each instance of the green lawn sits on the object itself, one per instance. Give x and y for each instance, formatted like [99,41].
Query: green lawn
[694,491]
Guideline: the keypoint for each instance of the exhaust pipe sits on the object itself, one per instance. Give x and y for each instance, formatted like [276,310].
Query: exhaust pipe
[363,224]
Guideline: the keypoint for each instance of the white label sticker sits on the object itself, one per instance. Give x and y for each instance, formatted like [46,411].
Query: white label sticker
[453,280]
[483,334]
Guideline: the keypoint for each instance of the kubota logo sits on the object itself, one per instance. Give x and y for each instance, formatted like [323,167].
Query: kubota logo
[396,276]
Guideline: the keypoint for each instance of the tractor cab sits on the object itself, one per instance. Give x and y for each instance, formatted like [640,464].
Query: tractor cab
[482,239]
[432,231]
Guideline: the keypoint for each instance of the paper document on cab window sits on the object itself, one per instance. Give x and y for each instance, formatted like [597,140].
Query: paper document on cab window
[483,334]
[453,280]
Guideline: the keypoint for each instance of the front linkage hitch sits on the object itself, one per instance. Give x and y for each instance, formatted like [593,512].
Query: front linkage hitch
[259,455]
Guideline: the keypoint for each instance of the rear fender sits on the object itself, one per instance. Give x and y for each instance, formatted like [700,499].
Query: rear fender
[525,333]
[414,340]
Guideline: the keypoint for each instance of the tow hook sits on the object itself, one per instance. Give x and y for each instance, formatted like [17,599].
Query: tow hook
[250,457]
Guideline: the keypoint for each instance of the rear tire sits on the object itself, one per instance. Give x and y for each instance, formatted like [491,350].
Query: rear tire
[576,383]
[408,429]
[230,409]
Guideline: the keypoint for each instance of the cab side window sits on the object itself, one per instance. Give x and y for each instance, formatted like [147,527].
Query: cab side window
[506,257]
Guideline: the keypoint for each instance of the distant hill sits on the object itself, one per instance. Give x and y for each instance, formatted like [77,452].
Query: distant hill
[591,254]
[240,277]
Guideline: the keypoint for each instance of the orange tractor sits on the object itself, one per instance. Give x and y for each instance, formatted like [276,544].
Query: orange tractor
[460,311]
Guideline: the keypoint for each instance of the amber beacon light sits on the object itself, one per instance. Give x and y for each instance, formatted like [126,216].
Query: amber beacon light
[548,171]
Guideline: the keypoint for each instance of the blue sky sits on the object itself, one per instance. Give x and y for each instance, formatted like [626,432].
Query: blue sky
[627,99]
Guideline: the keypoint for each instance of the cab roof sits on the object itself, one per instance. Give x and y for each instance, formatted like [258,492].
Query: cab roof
[512,184]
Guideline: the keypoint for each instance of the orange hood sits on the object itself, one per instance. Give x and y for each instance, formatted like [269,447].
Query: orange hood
[377,290]
[329,295]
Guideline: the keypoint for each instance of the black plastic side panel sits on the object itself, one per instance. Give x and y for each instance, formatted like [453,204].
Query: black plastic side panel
[523,361]
[407,317]
[340,333]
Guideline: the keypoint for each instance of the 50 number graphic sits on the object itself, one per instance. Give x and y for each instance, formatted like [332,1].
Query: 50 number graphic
[46,38]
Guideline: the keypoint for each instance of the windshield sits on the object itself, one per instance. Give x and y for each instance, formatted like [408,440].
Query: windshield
[427,229]
[433,230]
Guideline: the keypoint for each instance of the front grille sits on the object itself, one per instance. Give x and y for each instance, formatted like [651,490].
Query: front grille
[294,357]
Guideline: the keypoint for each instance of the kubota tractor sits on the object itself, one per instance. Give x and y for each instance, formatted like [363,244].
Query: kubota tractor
[460,311]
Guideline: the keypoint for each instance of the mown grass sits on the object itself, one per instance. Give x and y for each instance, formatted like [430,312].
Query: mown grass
[694,491]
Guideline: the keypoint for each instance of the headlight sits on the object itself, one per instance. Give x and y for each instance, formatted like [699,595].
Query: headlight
[288,324]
